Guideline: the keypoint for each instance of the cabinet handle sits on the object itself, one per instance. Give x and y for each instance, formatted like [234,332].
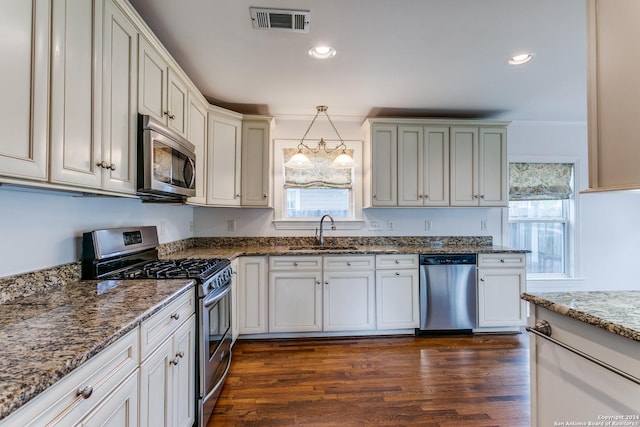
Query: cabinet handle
[85,392]
[397,273]
[482,279]
[175,316]
[348,263]
[174,361]
[180,354]
[542,329]
[501,259]
[168,114]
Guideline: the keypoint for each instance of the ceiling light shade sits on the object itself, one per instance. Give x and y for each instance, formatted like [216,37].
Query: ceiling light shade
[343,161]
[322,52]
[521,59]
[300,161]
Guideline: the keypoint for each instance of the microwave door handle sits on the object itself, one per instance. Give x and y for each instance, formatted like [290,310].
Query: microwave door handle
[193,175]
[216,297]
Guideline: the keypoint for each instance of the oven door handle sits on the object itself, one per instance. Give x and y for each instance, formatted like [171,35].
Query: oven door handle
[216,296]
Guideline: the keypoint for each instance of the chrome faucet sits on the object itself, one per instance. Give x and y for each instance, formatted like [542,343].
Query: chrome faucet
[319,236]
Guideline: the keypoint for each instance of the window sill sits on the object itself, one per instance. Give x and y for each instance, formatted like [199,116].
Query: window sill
[305,224]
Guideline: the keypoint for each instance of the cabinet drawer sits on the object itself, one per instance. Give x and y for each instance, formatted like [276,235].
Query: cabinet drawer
[158,327]
[62,403]
[348,262]
[396,261]
[507,260]
[295,263]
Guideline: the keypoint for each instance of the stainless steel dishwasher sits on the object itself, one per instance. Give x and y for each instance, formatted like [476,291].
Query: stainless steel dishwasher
[448,294]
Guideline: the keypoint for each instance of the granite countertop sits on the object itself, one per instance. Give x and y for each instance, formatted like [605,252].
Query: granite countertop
[615,311]
[46,335]
[231,252]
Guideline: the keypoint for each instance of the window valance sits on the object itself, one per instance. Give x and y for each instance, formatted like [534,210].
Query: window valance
[321,176]
[540,181]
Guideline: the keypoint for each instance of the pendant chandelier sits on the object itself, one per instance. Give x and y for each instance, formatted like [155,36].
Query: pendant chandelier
[301,161]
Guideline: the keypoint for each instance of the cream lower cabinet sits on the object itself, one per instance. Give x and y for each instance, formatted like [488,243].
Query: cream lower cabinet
[295,293]
[349,301]
[103,391]
[321,293]
[501,281]
[252,307]
[24,104]
[397,289]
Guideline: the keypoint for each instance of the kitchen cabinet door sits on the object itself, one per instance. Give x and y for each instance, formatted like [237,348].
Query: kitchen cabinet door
[499,303]
[120,91]
[152,82]
[492,167]
[397,303]
[24,104]
[197,135]
[76,73]
[464,166]
[384,166]
[223,158]
[120,408]
[349,300]
[252,295]
[177,103]
[256,170]
[423,166]
[295,301]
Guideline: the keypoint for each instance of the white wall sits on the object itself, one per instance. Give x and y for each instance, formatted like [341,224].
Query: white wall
[41,229]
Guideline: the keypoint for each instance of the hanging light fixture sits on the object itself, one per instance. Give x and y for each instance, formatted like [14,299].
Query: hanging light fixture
[300,161]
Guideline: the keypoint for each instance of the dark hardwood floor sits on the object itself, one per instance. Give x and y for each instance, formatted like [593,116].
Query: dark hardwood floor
[480,380]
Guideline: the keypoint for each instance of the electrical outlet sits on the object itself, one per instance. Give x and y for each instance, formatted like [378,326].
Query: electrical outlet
[231,225]
[191,227]
[391,225]
[163,228]
[427,225]
[374,225]
[483,225]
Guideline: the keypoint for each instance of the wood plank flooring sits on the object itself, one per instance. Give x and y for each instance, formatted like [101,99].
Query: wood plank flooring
[480,380]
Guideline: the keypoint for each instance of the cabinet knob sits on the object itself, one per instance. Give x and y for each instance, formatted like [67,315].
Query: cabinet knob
[348,263]
[374,196]
[482,279]
[112,167]
[397,261]
[168,114]
[397,273]
[420,196]
[265,195]
[482,196]
[174,361]
[426,196]
[295,264]
[326,282]
[180,354]
[102,164]
[175,316]
[85,392]
[501,259]
[317,282]
[238,196]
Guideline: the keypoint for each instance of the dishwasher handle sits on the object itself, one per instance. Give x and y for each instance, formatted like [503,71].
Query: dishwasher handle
[448,259]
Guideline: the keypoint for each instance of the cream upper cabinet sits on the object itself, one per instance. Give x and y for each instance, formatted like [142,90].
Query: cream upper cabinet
[119,106]
[223,157]
[76,73]
[256,161]
[197,135]
[478,166]
[162,94]
[24,104]
[613,94]
[423,166]
[384,165]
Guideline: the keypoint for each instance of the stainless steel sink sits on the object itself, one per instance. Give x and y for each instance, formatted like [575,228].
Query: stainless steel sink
[322,248]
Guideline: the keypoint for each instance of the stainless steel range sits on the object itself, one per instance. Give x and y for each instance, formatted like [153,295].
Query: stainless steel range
[132,253]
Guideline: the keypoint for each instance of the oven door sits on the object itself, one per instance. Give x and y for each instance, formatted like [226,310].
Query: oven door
[215,347]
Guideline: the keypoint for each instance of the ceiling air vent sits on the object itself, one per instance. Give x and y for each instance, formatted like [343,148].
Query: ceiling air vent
[281,19]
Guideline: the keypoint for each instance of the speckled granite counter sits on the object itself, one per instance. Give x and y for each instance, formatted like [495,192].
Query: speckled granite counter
[46,335]
[615,311]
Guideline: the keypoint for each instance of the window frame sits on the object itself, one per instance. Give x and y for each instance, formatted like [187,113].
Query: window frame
[572,255]
[281,221]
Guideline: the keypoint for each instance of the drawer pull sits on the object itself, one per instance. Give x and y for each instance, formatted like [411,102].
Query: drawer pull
[85,392]
[397,274]
[501,259]
[397,261]
[542,329]
[348,263]
[175,316]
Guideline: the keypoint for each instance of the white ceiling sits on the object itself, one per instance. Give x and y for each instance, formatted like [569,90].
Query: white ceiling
[395,57]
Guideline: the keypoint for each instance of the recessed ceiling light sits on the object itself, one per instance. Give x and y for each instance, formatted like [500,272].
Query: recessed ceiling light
[322,52]
[521,59]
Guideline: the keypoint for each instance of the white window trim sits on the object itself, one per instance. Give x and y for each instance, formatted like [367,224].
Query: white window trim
[573,240]
[280,222]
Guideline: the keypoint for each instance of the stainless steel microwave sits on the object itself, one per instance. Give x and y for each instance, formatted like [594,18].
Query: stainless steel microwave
[166,163]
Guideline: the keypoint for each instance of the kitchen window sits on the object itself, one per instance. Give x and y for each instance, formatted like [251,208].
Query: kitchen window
[541,216]
[303,196]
